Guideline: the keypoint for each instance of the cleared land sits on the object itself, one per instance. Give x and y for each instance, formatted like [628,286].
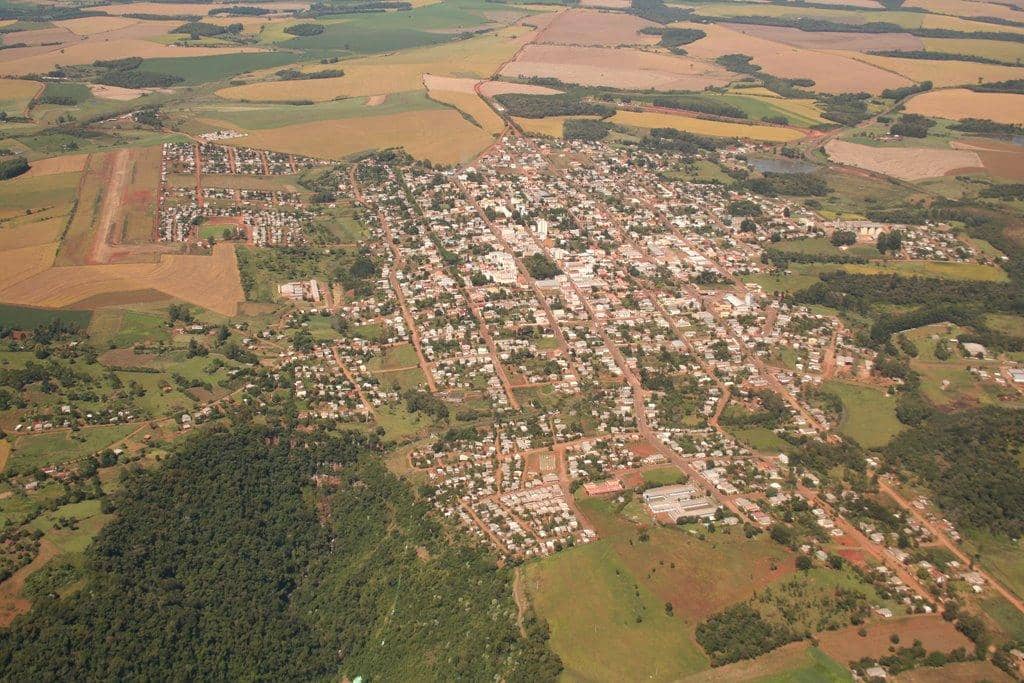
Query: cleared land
[113,92]
[960,103]
[69,163]
[441,135]
[931,629]
[591,27]
[492,88]
[831,72]
[208,281]
[960,672]
[1001,159]
[869,416]
[705,126]
[905,163]
[616,67]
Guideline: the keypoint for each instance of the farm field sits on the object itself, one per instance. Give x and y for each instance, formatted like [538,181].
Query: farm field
[589,27]
[15,95]
[471,105]
[442,136]
[208,281]
[705,126]
[395,72]
[615,67]
[906,163]
[552,126]
[38,451]
[263,116]
[959,103]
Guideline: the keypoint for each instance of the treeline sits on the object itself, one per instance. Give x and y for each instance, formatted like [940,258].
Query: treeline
[296,75]
[907,91]
[1013,86]
[202,29]
[824,25]
[940,56]
[970,460]
[672,140]
[987,127]
[1009,192]
[658,12]
[353,577]
[540,106]
[743,64]
[319,9]
[239,11]
[700,105]
[847,109]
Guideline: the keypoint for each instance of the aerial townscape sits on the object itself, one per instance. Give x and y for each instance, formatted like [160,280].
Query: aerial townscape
[577,340]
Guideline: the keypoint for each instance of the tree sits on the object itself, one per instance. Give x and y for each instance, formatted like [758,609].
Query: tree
[803,563]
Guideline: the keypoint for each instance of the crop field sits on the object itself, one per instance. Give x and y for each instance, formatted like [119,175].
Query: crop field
[471,105]
[1002,50]
[92,50]
[392,73]
[616,67]
[828,40]
[23,318]
[944,73]
[441,135]
[16,94]
[800,112]
[962,8]
[35,192]
[208,281]
[705,126]
[905,163]
[831,72]
[1001,159]
[259,116]
[196,70]
[87,26]
[960,103]
[592,27]
[869,415]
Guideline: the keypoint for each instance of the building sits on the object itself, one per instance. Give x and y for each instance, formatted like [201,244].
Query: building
[680,500]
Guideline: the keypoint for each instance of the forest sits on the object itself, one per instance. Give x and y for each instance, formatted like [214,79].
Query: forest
[265,553]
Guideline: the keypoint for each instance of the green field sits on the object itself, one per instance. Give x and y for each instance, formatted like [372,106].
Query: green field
[663,476]
[197,70]
[76,537]
[604,624]
[41,450]
[27,318]
[761,439]
[869,415]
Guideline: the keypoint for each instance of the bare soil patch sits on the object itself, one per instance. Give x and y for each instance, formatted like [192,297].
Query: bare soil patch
[450,83]
[113,92]
[492,88]
[376,100]
[905,163]
[959,672]
[593,27]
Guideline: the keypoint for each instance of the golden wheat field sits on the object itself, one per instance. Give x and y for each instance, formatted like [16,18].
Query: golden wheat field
[705,127]
[440,135]
[960,103]
[208,281]
[470,104]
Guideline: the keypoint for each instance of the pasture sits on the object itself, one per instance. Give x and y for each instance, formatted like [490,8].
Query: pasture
[869,415]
